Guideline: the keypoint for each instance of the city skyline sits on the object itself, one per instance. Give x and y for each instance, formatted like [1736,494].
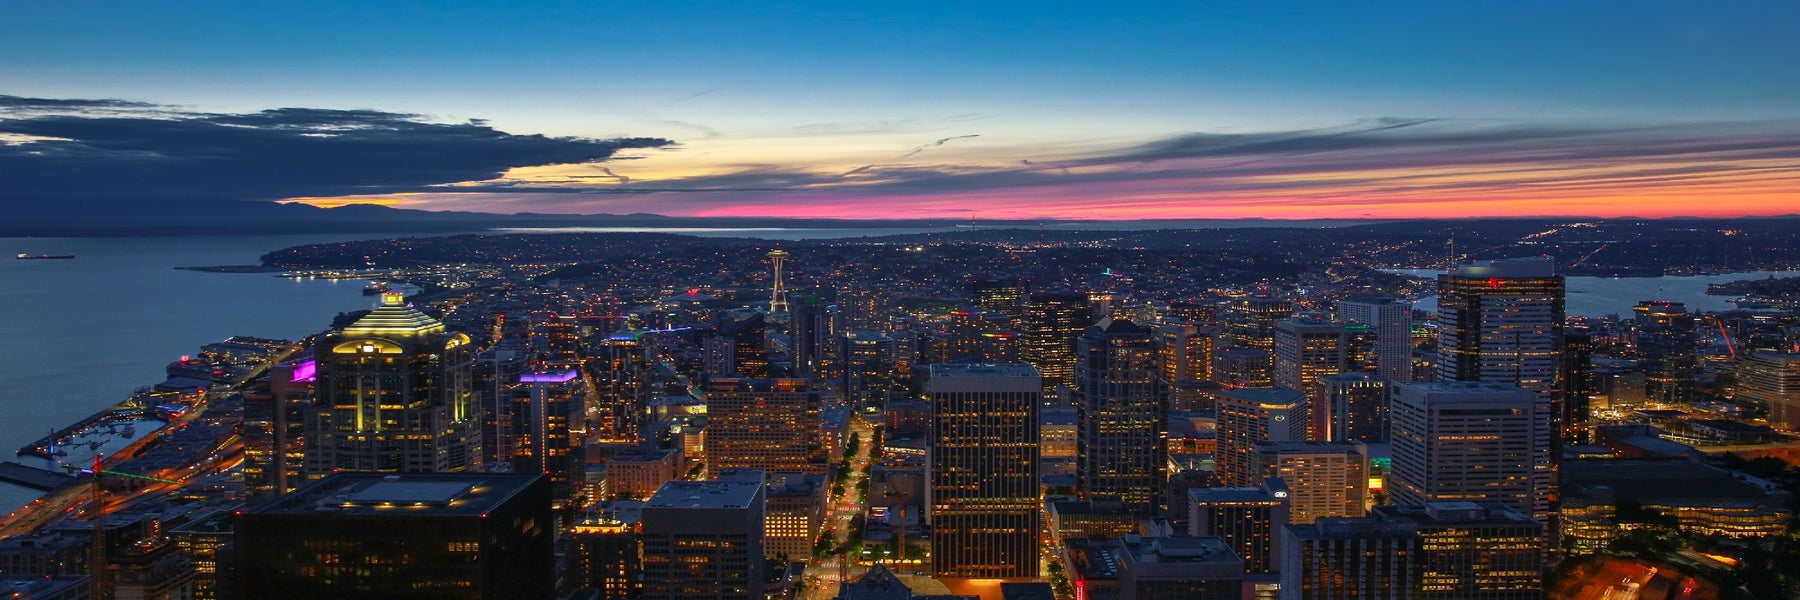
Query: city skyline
[930,111]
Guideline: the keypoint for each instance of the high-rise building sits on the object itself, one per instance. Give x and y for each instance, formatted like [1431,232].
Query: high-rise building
[739,348]
[869,360]
[496,385]
[1251,323]
[1772,379]
[1250,416]
[704,539]
[604,554]
[770,424]
[395,396]
[543,438]
[1051,324]
[1123,441]
[1305,350]
[1579,382]
[1502,320]
[621,382]
[1186,351]
[1324,479]
[274,429]
[1467,441]
[364,535]
[795,511]
[1234,368]
[1354,408]
[1668,349]
[1249,519]
[983,493]
[809,328]
[1004,296]
[1438,551]
[1392,321]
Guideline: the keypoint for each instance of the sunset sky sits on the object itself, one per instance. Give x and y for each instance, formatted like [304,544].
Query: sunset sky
[1114,110]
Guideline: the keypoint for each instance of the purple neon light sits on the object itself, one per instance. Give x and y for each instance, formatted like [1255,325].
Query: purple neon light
[306,370]
[547,377]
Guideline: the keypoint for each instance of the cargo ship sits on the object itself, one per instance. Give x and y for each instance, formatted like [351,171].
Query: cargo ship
[24,256]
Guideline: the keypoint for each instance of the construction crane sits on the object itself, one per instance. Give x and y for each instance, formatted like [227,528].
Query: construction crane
[97,566]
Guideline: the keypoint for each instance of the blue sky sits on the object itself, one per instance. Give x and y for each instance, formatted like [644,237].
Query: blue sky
[818,89]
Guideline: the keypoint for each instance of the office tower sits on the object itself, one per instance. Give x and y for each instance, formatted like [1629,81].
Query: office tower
[1186,351]
[366,535]
[1324,479]
[809,326]
[983,494]
[770,424]
[1123,439]
[542,436]
[1251,323]
[1772,379]
[1003,296]
[1248,519]
[1668,350]
[778,299]
[704,539]
[620,377]
[604,556]
[1100,305]
[1234,368]
[981,336]
[1502,320]
[869,361]
[1439,551]
[557,338]
[1305,350]
[1137,567]
[794,515]
[1051,324]
[1197,312]
[860,306]
[496,374]
[274,429]
[394,397]
[1391,319]
[739,348]
[1579,382]
[1472,441]
[1354,407]
[1250,416]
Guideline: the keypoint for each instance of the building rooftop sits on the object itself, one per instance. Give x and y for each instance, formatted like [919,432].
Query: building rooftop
[1528,266]
[704,494]
[982,370]
[1450,388]
[1266,396]
[394,317]
[421,494]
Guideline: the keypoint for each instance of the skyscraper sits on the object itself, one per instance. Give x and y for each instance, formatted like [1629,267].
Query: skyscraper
[983,492]
[1668,350]
[1123,438]
[740,348]
[1004,296]
[1324,479]
[1392,320]
[1772,379]
[1305,350]
[1438,551]
[394,396]
[543,438]
[770,424]
[1051,324]
[1249,519]
[620,380]
[1467,441]
[470,536]
[1250,416]
[1502,320]
[704,539]
[1354,407]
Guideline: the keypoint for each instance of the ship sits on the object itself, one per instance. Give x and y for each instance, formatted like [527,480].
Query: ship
[375,287]
[24,256]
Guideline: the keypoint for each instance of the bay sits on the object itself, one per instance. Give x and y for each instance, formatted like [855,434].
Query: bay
[1601,296]
[82,334]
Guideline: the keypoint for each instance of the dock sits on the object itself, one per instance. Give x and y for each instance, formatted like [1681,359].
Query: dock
[32,477]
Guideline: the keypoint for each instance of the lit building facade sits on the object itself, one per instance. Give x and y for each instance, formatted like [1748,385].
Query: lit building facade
[1467,441]
[1392,321]
[395,396]
[1123,441]
[1668,350]
[1772,379]
[704,539]
[1324,479]
[1248,519]
[983,494]
[1050,325]
[770,424]
[1250,416]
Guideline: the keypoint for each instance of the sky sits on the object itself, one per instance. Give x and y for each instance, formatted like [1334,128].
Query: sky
[955,110]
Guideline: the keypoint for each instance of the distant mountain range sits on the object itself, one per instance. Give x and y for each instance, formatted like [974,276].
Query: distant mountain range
[221,217]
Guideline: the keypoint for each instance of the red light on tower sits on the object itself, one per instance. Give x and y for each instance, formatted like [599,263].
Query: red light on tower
[1493,283]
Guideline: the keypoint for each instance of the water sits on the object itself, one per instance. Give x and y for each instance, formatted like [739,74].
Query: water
[81,334]
[1601,296]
